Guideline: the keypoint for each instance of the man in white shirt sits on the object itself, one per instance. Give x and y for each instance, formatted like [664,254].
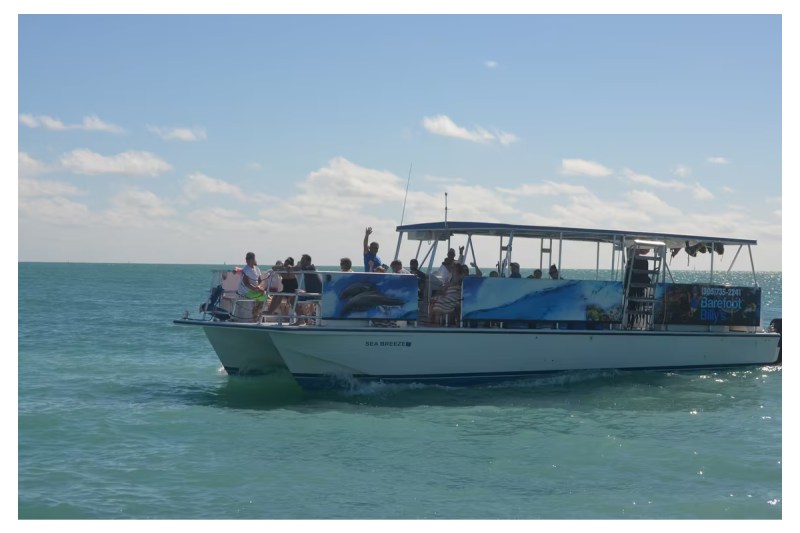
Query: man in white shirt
[249,286]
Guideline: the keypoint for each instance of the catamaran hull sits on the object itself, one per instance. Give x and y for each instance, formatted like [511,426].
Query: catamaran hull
[243,349]
[318,358]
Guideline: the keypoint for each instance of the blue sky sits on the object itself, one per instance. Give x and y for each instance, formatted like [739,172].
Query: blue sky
[193,139]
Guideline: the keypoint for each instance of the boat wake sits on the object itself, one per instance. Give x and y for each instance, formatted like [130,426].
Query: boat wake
[375,388]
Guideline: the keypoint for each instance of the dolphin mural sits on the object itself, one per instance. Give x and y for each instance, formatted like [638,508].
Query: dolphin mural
[368,295]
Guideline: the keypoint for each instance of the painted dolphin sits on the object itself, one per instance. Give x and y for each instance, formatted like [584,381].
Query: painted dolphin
[365,301]
[356,288]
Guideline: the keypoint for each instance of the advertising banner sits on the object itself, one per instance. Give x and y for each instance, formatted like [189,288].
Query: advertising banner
[695,304]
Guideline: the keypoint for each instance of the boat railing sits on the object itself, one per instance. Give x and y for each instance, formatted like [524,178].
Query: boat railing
[361,299]
[226,304]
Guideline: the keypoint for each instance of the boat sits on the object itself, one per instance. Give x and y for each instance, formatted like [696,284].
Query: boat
[397,328]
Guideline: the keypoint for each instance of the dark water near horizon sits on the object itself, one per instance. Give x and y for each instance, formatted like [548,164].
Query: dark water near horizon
[122,414]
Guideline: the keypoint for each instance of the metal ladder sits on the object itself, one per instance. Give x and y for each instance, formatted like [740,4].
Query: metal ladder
[643,273]
[548,250]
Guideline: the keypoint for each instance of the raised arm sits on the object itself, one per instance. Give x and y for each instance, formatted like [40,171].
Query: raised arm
[366,239]
[477,270]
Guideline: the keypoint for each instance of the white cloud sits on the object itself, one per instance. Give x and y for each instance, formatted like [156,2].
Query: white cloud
[728,190]
[225,220]
[198,184]
[506,138]
[546,188]
[33,188]
[28,167]
[698,191]
[490,64]
[718,160]
[28,120]
[444,126]
[582,167]
[44,121]
[649,202]
[179,134]
[442,179]
[464,202]
[55,210]
[701,193]
[351,185]
[682,171]
[589,211]
[635,177]
[131,163]
[136,208]
[89,123]
[93,123]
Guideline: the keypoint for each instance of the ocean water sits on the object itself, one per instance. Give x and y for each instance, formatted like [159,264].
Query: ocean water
[123,415]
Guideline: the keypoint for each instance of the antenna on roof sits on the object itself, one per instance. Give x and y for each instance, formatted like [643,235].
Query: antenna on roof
[445,218]
[403,215]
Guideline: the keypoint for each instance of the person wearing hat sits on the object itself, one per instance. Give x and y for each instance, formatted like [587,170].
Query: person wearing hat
[514,271]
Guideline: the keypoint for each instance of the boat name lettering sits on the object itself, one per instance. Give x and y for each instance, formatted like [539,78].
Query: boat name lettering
[378,344]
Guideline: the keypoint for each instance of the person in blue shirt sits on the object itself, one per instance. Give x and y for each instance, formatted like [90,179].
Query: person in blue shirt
[371,259]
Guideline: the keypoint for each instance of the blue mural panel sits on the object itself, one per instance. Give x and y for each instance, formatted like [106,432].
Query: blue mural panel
[369,295]
[541,299]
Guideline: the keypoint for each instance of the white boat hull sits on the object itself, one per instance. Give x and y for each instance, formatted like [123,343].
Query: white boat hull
[318,356]
[243,349]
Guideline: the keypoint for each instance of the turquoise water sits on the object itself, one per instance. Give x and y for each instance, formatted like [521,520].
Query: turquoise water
[124,415]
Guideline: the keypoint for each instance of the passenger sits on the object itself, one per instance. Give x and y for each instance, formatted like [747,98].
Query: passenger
[371,259]
[554,272]
[249,286]
[494,274]
[465,272]
[274,277]
[345,264]
[537,274]
[289,280]
[448,303]
[442,276]
[311,282]
[289,277]
[273,282]
[397,267]
[414,266]
[478,272]
[312,286]
[515,271]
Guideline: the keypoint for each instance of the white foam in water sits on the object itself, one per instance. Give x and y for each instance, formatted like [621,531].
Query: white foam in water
[355,387]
